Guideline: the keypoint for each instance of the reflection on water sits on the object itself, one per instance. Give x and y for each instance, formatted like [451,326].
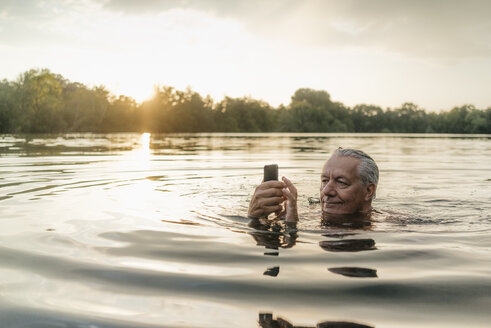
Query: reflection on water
[347,221]
[355,272]
[348,245]
[273,235]
[140,230]
[273,272]
[266,321]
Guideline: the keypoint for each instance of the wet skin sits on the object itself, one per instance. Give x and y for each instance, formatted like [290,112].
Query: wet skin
[279,197]
[342,191]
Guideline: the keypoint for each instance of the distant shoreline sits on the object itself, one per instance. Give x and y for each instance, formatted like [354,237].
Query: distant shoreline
[43,102]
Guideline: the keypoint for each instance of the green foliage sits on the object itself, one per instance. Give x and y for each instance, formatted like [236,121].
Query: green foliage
[121,115]
[409,118]
[40,101]
[7,115]
[368,118]
[37,101]
[244,115]
[313,111]
[171,110]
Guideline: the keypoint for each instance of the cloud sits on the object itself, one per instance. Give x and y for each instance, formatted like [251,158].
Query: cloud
[435,53]
[32,22]
[420,28]
[448,29]
[434,29]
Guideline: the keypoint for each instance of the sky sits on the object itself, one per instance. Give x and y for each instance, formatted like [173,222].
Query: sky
[434,53]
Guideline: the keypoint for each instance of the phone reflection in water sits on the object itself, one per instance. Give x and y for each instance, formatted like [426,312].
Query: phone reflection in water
[266,320]
[273,234]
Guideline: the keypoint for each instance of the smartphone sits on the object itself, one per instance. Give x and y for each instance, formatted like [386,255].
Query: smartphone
[270,172]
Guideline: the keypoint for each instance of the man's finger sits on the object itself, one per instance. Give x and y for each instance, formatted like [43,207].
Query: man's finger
[271,201]
[270,192]
[272,184]
[290,186]
[288,195]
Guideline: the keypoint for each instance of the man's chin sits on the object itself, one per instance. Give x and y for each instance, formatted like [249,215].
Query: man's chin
[333,209]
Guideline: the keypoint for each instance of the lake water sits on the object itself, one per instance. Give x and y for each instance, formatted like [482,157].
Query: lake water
[139,230]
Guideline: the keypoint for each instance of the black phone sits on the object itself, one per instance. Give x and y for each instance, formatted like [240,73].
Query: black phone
[270,172]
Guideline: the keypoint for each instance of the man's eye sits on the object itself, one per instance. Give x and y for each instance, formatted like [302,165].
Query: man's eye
[324,181]
[343,183]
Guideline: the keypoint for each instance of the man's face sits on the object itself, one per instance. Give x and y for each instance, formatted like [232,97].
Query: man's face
[342,191]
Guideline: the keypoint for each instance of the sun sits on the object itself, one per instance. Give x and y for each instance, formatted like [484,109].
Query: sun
[140,89]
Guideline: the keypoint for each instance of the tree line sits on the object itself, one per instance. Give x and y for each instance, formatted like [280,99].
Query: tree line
[39,101]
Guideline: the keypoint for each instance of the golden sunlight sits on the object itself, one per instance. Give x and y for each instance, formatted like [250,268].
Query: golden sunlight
[139,157]
[145,142]
[144,151]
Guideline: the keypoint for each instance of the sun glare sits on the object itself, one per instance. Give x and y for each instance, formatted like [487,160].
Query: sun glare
[145,142]
[138,90]
[141,154]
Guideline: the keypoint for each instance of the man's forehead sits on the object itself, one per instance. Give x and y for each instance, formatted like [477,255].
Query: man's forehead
[341,165]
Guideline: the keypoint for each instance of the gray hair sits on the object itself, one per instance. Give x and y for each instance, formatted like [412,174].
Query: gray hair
[367,169]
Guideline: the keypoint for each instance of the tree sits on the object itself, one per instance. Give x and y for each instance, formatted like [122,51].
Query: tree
[38,101]
[476,122]
[313,111]
[245,115]
[84,109]
[456,117]
[121,115]
[7,115]
[408,118]
[368,118]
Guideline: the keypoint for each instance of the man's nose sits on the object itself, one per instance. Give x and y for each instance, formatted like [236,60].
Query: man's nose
[329,189]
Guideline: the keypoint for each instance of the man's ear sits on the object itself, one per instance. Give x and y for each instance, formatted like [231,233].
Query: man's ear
[371,187]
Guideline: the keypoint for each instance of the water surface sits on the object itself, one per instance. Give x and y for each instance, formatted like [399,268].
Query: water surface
[132,230]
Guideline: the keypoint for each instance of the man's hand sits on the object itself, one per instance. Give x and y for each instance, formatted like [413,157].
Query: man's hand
[267,198]
[290,211]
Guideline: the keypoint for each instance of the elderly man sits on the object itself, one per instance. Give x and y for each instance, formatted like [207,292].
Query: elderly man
[348,184]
